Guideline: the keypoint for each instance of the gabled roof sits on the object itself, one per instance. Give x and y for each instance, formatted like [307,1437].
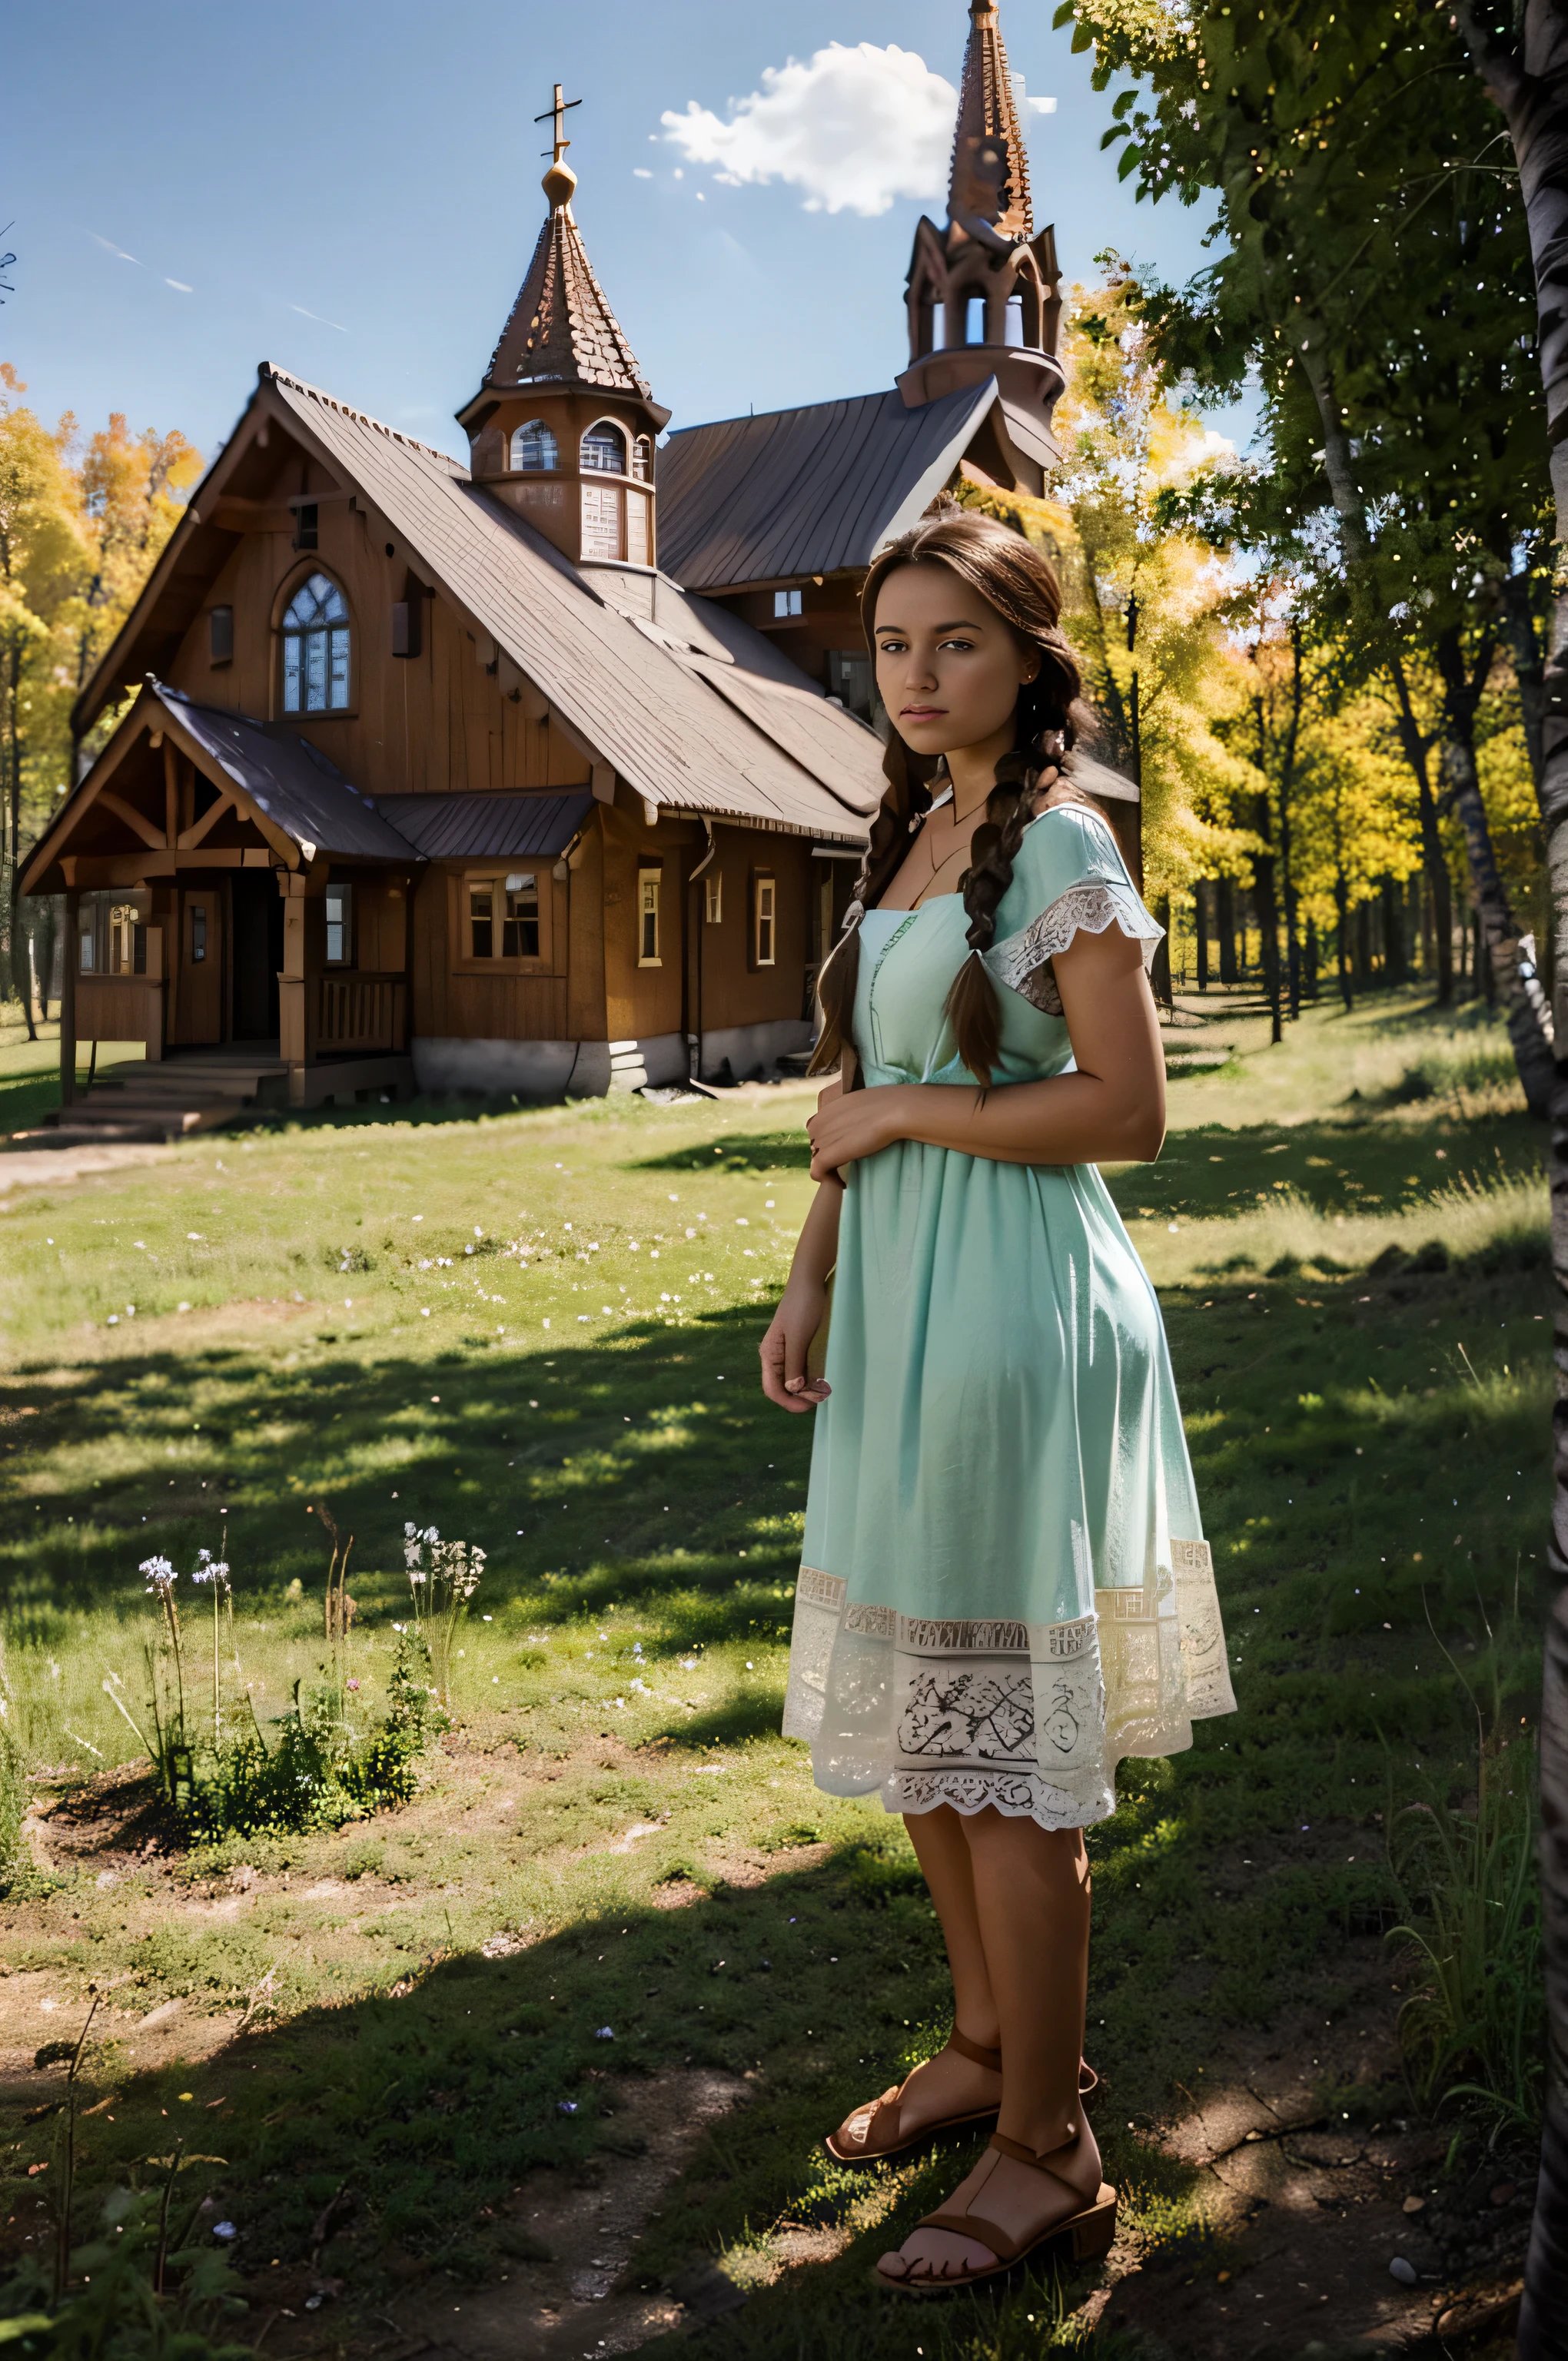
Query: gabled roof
[807,491]
[293,782]
[296,799]
[488,827]
[632,700]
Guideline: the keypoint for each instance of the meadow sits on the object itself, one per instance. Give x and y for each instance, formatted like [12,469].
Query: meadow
[443,2061]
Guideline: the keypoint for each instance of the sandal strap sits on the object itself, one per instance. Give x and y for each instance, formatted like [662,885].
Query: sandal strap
[1033,2159]
[973,2225]
[973,2052]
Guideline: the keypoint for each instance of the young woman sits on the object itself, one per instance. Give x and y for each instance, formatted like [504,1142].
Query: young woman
[1004,1584]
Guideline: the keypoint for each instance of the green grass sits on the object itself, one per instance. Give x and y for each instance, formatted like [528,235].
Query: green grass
[428,1987]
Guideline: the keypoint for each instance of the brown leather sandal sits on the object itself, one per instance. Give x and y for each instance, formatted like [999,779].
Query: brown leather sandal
[1089,2229]
[880,2135]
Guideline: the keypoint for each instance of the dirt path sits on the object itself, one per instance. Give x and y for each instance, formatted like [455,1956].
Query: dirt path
[1328,2228]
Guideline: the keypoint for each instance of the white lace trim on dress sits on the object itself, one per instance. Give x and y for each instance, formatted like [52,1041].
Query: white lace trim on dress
[1028,1718]
[1023,961]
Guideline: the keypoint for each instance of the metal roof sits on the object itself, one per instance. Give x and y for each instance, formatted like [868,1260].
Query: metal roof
[807,491]
[296,785]
[635,702]
[487,826]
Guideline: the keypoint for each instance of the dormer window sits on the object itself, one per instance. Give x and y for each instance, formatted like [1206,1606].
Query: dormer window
[642,459]
[604,450]
[533,448]
[316,648]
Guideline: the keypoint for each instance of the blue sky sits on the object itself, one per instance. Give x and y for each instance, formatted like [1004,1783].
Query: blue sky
[190,184]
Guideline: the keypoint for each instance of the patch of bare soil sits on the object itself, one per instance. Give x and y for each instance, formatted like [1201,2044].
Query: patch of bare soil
[1323,2233]
[564,2286]
[28,1168]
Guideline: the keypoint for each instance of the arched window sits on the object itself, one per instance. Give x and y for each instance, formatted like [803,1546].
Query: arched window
[1014,334]
[604,449]
[316,648]
[533,446]
[642,459]
[974,319]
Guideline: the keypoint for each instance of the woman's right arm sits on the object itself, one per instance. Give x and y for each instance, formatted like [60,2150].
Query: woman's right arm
[803,1306]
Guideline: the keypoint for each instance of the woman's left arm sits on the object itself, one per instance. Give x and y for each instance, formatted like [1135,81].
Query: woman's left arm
[1112,1111]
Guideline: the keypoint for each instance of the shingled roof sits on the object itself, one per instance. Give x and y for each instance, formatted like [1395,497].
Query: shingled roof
[990,174]
[642,701]
[561,329]
[807,491]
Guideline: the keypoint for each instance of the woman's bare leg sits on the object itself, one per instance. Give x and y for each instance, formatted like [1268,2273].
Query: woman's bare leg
[948,2084]
[1031,1890]
[951,2084]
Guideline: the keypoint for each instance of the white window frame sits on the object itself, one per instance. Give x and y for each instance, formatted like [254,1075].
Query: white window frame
[713,898]
[649,880]
[764,913]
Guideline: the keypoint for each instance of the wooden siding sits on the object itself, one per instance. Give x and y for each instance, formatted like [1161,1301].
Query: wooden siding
[428,723]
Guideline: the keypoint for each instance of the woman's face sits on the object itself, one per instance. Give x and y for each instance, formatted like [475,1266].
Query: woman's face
[948,667]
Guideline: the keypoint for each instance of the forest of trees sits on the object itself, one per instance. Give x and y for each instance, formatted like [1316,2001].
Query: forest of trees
[1369,613]
[81,521]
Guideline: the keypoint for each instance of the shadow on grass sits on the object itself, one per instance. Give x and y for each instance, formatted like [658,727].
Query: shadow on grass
[636,1465]
[774,1151]
[422,2114]
[1363,1166]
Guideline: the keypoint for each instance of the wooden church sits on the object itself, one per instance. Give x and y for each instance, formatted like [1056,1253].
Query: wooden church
[546,774]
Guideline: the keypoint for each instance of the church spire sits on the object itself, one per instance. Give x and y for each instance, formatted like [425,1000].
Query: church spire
[564,424]
[561,330]
[988,181]
[982,292]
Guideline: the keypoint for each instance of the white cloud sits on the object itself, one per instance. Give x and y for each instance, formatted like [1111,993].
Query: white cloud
[641,172]
[853,127]
[180,287]
[320,320]
[1041,105]
[110,247]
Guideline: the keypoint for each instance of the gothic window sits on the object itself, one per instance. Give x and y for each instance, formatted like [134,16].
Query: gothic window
[642,459]
[533,446]
[604,449]
[315,649]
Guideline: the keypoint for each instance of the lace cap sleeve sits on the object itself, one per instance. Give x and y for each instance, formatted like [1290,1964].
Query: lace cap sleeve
[1071,873]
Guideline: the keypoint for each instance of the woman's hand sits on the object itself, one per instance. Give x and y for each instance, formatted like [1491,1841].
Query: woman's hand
[856,1123]
[803,1307]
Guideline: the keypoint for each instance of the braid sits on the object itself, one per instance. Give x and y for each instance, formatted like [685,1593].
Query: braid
[1012,577]
[902,808]
[971,1006]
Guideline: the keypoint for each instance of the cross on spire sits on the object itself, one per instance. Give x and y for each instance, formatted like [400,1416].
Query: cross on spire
[557,115]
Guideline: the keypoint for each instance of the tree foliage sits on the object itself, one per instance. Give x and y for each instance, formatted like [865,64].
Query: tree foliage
[81,524]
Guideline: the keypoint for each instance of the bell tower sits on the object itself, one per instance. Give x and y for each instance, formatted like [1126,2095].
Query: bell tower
[564,424]
[983,293]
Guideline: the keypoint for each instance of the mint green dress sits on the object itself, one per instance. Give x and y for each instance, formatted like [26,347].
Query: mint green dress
[1005,1586]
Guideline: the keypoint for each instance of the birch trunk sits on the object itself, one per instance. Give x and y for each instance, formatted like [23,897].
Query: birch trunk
[1526,74]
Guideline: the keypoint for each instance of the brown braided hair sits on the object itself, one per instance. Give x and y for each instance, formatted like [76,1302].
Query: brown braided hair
[1012,577]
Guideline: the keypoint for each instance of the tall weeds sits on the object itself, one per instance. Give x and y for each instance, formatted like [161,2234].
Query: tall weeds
[1473,2029]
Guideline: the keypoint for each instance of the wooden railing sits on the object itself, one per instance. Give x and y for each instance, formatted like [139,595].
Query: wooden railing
[361,1011]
